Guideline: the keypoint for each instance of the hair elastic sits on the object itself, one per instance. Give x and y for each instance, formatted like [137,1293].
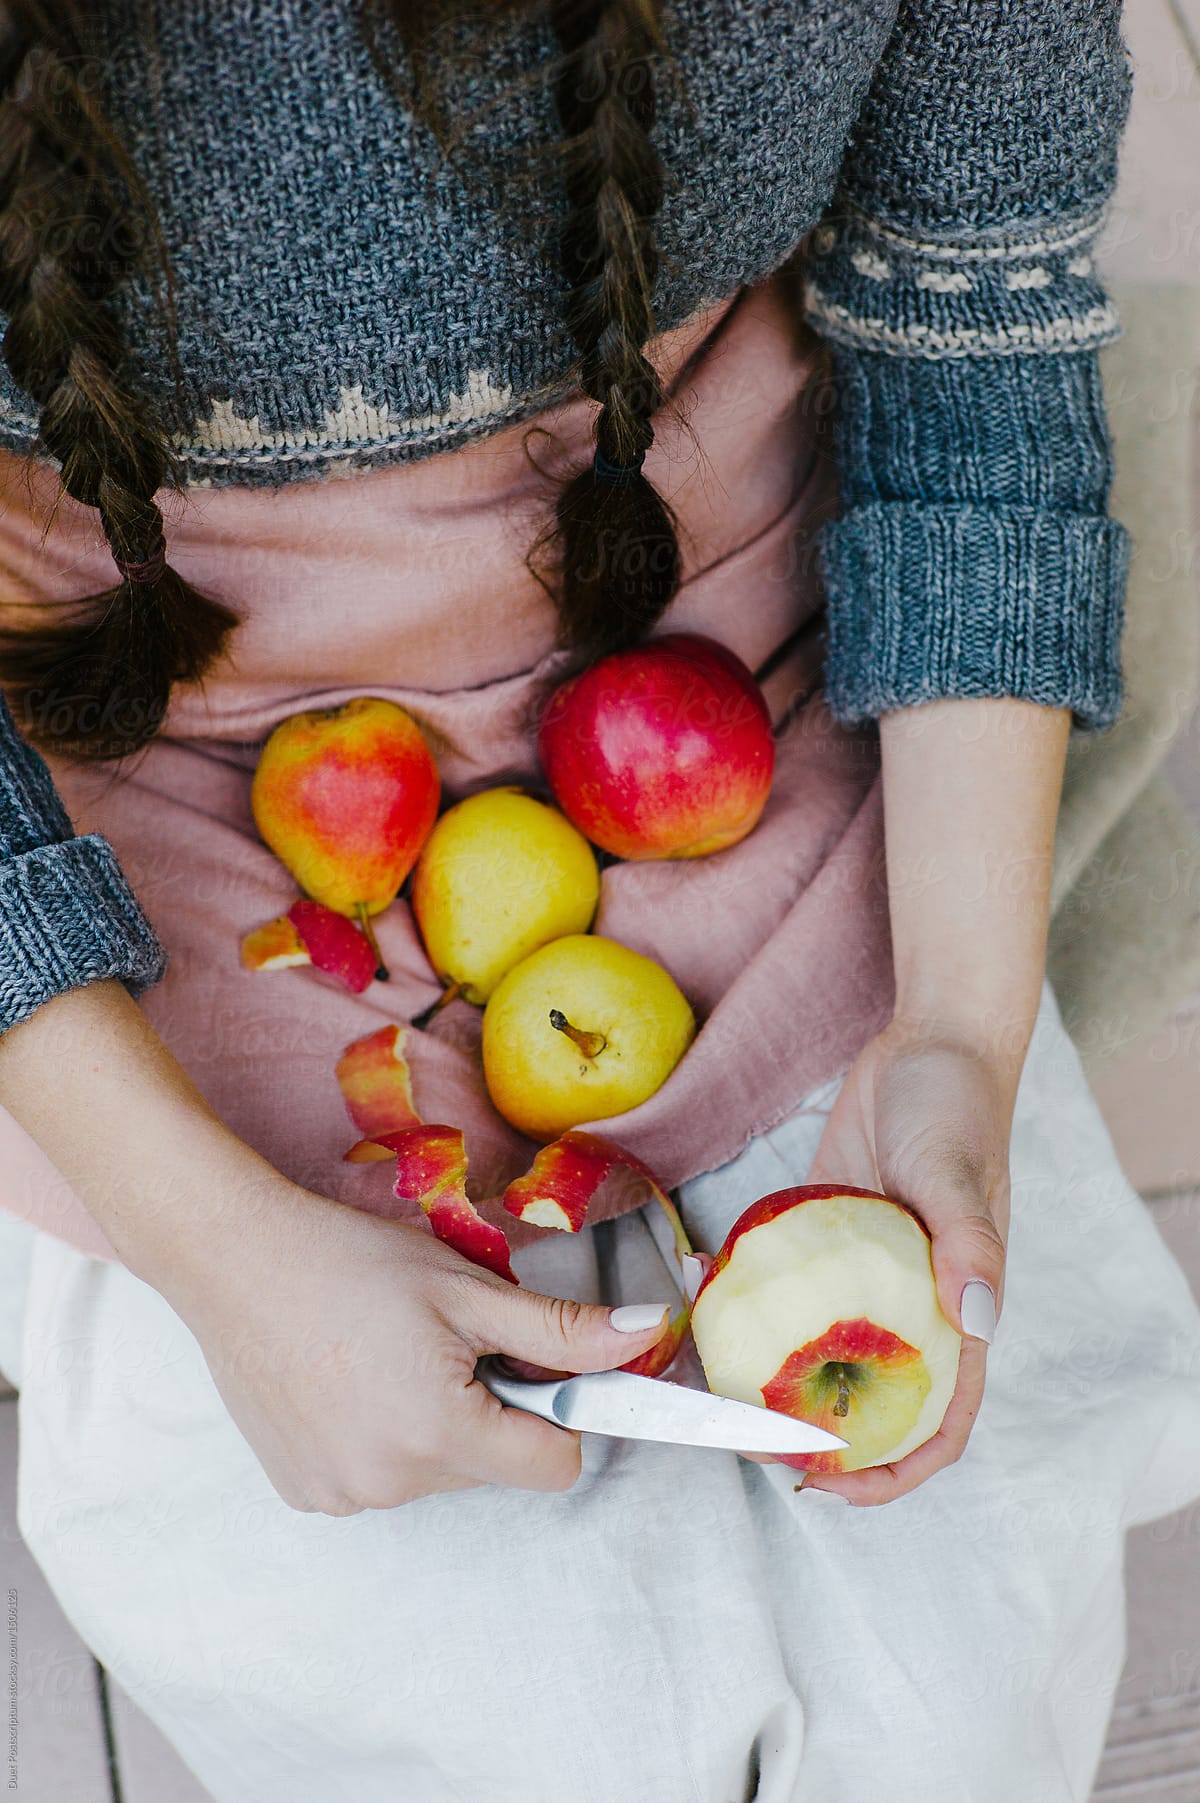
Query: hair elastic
[149,568]
[618,475]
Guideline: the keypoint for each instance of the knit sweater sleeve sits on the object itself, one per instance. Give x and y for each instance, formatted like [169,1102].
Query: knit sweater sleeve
[953,277]
[67,915]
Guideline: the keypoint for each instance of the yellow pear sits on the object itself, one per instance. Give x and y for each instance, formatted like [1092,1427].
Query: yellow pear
[582,1029]
[500,875]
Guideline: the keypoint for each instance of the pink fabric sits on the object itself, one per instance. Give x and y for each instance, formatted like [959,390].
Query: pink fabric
[410,583]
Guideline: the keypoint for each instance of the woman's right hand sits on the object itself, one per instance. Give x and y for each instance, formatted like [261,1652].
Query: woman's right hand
[344,1347]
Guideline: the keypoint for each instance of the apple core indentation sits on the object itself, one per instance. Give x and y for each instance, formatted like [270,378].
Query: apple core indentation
[858,1380]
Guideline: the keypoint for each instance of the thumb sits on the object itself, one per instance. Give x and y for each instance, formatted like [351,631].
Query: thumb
[560,1335]
[968,1257]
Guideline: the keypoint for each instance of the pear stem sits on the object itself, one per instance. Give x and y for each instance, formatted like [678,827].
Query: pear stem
[449,994]
[382,973]
[842,1405]
[590,1044]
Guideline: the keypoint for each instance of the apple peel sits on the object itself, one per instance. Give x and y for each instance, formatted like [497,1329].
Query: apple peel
[431,1161]
[376,1086]
[431,1170]
[310,933]
[565,1176]
[664,1350]
[275,946]
[560,1183]
[557,1191]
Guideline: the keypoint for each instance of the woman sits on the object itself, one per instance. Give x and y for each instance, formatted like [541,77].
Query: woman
[527,281]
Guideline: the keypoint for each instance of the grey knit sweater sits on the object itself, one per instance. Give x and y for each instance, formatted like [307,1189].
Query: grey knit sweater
[348,298]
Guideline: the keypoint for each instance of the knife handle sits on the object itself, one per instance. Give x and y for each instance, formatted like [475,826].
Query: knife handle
[518,1392]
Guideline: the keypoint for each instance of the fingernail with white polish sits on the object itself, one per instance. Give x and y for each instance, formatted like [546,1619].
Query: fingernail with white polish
[693,1274]
[636,1317]
[977,1310]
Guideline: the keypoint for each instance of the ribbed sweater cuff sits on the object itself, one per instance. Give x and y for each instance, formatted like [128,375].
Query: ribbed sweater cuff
[946,600]
[68,917]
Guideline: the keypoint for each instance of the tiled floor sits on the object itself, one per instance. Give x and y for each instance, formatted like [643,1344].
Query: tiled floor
[1153,1753]
[80,1741]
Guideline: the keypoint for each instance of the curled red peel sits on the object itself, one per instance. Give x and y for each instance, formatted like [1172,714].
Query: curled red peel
[366,1151]
[563,1178]
[274,946]
[557,1191]
[431,1161]
[310,933]
[335,944]
[560,1182]
[431,1170]
[376,1085]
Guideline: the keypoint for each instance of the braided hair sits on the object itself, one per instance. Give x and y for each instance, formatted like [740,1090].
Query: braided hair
[618,544]
[96,681]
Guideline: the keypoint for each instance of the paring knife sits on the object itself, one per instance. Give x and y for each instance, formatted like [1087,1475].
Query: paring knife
[652,1408]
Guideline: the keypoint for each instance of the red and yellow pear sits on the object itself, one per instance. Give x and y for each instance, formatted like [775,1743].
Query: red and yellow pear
[345,797]
[822,1304]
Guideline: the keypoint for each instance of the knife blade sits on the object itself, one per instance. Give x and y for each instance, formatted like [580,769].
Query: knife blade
[652,1408]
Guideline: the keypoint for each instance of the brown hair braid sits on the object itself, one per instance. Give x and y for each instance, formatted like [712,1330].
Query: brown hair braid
[96,683]
[619,549]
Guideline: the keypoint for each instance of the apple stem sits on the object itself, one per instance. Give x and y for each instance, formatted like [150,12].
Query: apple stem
[449,994]
[382,973]
[590,1044]
[842,1405]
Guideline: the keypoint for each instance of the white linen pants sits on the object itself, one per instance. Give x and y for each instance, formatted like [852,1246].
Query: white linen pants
[681,1626]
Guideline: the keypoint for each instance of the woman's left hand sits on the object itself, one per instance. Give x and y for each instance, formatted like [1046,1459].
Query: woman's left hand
[971,790]
[926,1118]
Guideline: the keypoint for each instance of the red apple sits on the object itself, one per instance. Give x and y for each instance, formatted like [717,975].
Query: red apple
[662,751]
[822,1304]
